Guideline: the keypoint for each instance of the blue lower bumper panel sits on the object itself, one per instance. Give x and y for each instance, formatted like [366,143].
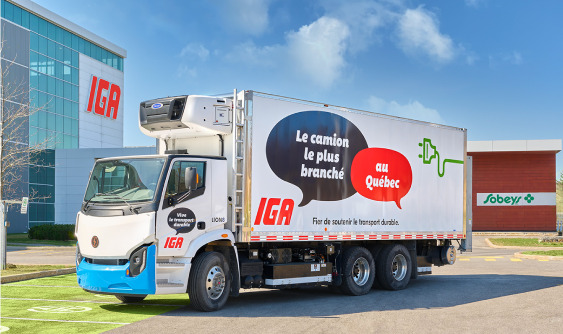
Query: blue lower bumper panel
[114,279]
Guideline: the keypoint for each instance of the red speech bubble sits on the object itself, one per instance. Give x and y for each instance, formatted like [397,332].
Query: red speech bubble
[381,174]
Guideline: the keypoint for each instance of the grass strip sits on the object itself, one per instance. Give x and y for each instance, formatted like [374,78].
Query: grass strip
[523,242]
[29,305]
[14,269]
[22,238]
[36,288]
[556,252]
[49,327]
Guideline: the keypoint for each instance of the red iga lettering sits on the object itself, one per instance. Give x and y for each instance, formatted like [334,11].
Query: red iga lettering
[113,102]
[93,86]
[270,212]
[174,242]
[104,98]
[100,105]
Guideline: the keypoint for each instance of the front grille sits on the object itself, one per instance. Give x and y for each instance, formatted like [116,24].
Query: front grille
[107,262]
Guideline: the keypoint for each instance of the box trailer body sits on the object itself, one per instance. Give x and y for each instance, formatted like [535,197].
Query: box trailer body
[258,190]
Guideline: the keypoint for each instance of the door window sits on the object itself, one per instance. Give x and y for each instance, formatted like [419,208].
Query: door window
[176,190]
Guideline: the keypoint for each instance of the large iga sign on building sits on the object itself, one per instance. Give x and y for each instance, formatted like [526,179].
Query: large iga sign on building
[101,93]
[104,98]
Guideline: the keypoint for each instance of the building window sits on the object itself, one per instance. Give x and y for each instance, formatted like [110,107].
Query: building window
[52,33]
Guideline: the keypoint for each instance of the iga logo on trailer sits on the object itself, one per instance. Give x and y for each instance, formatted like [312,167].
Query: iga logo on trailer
[270,212]
[104,98]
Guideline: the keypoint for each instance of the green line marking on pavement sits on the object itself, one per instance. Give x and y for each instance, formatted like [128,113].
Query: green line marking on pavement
[27,303]
[84,301]
[80,321]
[44,286]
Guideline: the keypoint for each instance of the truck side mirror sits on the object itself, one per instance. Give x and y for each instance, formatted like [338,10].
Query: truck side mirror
[191,178]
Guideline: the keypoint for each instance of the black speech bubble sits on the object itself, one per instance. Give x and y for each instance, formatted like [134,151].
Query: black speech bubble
[182,220]
[286,156]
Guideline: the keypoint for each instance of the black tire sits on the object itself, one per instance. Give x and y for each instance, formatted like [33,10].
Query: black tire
[358,271]
[131,299]
[209,284]
[375,250]
[394,267]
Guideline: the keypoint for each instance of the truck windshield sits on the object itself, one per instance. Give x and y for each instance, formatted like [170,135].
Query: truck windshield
[124,180]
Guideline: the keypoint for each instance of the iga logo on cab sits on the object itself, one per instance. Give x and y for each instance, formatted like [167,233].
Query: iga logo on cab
[174,242]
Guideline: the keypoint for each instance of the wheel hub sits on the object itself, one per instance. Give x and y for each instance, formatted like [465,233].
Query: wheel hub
[399,267]
[215,284]
[361,271]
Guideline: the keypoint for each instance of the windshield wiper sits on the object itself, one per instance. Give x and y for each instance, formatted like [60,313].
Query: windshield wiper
[120,198]
[109,194]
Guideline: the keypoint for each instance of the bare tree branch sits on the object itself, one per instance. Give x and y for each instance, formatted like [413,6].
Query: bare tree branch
[16,151]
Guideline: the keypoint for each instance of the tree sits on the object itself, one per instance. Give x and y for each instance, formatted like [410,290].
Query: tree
[15,150]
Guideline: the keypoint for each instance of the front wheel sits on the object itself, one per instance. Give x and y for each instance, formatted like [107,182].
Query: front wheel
[130,299]
[209,283]
[358,271]
[394,267]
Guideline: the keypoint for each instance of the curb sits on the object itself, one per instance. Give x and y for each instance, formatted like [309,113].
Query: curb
[526,256]
[491,245]
[514,234]
[537,257]
[39,274]
[41,246]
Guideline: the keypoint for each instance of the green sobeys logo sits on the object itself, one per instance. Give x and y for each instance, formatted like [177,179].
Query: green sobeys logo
[508,200]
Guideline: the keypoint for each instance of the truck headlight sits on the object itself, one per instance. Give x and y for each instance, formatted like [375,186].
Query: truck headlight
[79,256]
[138,261]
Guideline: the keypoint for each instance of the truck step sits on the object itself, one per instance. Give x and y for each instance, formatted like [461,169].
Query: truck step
[164,283]
[171,264]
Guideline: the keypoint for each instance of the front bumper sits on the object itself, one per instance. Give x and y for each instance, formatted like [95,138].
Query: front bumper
[113,279]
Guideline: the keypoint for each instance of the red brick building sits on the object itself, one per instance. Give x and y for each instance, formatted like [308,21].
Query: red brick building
[514,184]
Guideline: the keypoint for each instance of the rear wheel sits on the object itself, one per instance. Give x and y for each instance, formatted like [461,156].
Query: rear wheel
[358,271]
[209,283]
[130,299]
[394,267]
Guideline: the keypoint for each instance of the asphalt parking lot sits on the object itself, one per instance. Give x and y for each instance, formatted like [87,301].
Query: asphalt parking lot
[486,291]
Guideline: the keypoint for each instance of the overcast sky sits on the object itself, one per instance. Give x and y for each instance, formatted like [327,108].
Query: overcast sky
[493,67]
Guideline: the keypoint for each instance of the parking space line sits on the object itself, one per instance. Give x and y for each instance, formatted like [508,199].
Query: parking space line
[42,286]
[79,321]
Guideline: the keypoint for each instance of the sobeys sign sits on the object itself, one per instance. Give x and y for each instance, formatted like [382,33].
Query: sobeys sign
[515,199]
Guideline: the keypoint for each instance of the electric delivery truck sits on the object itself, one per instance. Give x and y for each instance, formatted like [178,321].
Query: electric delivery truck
[252,190]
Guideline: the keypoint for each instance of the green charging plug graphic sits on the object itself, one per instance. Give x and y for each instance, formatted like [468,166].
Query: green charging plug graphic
[429,152]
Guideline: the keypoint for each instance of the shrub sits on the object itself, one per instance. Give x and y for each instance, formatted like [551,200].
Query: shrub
[52,232]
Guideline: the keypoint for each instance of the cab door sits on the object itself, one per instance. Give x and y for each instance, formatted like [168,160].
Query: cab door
[185,209]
